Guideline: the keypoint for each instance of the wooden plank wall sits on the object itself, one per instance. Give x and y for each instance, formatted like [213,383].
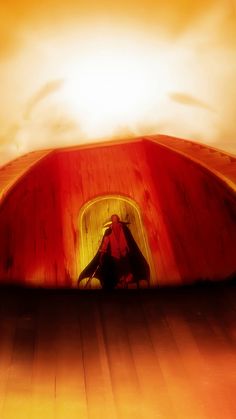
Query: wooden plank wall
[100,171]
[199,212]
[31,245]
[188,215]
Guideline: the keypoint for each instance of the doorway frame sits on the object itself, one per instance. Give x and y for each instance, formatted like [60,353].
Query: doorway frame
[81,247]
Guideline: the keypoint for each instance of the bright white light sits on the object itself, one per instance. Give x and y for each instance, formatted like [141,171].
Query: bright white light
[113,86]
[104,81]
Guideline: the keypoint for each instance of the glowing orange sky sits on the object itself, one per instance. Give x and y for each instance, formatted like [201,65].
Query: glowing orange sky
[79,71]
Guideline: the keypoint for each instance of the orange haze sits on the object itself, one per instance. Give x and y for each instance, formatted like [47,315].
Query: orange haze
[78,71]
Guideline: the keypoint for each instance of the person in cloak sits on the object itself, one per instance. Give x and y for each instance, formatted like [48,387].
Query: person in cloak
[118,260]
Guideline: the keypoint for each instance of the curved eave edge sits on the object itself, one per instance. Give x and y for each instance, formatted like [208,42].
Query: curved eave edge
[187,140]
[8,188]
[228,182]
[149,138]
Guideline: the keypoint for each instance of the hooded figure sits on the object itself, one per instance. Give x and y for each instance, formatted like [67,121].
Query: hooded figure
[118,259]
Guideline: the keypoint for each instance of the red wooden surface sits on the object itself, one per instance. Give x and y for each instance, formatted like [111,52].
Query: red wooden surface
[199,213]
[188,214]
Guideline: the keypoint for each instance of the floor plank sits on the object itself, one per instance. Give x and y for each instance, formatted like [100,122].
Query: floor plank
[166,354]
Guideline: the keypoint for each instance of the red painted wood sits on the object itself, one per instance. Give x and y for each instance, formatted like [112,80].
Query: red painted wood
[188,214]
[199,212]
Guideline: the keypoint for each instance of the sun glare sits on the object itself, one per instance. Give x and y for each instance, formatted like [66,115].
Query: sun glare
[101,80]
[113,85]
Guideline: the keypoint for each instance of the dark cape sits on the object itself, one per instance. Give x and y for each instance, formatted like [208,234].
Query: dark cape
[104,268]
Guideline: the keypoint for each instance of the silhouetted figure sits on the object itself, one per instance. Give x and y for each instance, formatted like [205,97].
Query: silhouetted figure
[118,260]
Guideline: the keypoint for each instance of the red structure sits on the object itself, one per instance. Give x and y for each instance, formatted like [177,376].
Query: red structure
[183,193]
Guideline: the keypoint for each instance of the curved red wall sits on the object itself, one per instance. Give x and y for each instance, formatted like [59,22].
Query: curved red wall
[199,213]
[188,214]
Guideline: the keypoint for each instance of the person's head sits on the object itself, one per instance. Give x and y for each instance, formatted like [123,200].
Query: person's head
[115,218]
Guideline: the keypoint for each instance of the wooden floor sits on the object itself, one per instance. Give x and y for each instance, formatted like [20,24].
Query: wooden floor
[95,355]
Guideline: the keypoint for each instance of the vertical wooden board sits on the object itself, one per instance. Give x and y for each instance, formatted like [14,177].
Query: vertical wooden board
[191,199]
[198,370]
[95,380]
[44,369]
[180,388]
[18,383]
[210,333]
[8,319]
[153,387]
[70,387]
[126,388]
[33,252]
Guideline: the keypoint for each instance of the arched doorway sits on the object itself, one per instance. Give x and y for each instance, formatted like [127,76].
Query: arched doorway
[94,214]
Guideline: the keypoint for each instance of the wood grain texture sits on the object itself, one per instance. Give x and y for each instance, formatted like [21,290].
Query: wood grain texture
[167,354]
[187,213]
[199,213]
[219,161]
